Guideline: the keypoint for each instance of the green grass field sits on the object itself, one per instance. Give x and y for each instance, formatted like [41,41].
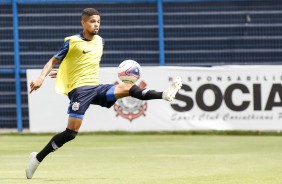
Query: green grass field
[146,159]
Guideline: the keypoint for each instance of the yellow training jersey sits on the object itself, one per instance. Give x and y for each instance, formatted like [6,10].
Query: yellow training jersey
[80,63]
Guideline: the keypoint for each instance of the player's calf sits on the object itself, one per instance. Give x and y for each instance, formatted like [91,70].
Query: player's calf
[144,94]
[56,142]
[168,94]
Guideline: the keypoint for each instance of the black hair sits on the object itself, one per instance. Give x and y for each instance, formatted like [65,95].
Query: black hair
[89,12]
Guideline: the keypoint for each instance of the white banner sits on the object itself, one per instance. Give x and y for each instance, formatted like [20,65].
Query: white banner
[215,98]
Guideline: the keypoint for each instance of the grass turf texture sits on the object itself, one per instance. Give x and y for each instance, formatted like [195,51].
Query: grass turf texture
[146,159]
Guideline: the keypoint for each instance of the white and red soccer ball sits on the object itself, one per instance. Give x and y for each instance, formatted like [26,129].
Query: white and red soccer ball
[129,71]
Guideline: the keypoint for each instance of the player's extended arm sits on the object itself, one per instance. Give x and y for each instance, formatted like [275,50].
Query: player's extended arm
[34,85]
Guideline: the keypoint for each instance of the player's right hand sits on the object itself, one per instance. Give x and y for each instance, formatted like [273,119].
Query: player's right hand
[34,85]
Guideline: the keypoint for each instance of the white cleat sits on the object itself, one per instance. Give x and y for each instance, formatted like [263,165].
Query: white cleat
[33,163]
[170,92]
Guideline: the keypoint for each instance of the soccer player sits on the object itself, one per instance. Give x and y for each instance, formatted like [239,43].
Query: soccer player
[78,78]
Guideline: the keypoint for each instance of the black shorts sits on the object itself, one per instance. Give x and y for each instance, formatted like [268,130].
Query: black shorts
[82,97]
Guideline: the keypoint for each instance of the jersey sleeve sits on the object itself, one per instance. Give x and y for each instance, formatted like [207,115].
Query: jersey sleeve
[61,54]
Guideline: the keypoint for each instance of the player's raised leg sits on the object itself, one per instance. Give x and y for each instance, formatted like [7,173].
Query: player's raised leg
[123,90]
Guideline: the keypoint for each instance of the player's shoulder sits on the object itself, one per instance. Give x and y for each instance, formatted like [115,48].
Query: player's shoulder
[73,37]
[99,38]
[80,37]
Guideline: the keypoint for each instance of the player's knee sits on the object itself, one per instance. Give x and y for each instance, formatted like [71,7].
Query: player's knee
[70,134]
[122,90]
[134,90]
[60,139]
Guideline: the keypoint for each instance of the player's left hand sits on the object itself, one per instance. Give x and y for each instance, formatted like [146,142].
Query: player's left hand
[53,73]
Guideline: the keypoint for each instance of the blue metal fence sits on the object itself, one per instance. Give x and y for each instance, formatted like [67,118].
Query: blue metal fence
[153,32]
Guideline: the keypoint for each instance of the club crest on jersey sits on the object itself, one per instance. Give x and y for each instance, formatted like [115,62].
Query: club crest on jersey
[131,108]
[75,106]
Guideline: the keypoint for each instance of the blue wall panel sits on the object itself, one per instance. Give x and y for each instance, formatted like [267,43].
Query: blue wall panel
[216,33]
[195,33]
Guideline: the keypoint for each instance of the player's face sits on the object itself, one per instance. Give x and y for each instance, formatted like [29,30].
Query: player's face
[91,24]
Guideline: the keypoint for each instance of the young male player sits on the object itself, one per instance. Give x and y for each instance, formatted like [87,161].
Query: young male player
[78,78]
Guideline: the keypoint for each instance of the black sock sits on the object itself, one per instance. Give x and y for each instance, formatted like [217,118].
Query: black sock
[56,142]
[144,94]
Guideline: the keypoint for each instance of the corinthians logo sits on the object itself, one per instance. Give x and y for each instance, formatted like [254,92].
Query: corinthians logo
[131,108]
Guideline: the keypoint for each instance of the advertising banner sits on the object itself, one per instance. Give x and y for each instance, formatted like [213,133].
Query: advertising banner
[211,98]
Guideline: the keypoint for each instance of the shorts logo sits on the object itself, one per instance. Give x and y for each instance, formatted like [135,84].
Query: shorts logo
[131,108]
[75,106]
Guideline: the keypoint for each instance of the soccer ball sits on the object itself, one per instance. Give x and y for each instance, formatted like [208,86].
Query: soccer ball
[129,71]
